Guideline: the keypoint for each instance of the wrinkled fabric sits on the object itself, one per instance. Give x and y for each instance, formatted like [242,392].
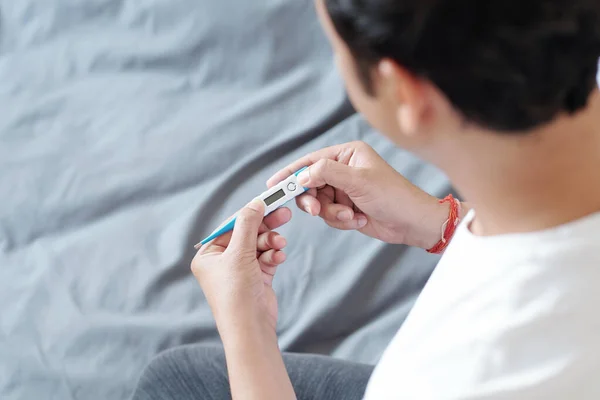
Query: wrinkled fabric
[128,131]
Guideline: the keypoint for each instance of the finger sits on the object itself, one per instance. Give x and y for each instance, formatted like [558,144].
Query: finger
[218,244]
[337,213]
[330,153]
[244,238]
[270,240]
[331,173]
[269,262]
[309,203]
[357,223]
[271,258]
[333,212]
[268,275]
[342,198]
[326,195]
[325,198]
[276,219]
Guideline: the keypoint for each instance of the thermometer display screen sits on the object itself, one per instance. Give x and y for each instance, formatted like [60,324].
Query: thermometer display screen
[280,194]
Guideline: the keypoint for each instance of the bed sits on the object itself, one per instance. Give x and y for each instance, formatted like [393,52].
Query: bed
[130,129]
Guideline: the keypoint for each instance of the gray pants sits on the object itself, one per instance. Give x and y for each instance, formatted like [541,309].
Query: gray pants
[199,372]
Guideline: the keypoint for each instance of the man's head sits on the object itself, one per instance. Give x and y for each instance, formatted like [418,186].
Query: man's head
[510,66]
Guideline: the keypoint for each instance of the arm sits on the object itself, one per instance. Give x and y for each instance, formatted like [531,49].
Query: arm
[353,188]
[254,362]
[236,272]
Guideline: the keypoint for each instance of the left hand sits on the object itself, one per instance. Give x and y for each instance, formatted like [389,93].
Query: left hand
[354,188]
[236,270]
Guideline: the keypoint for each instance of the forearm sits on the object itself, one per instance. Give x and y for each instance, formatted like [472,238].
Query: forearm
[255,363]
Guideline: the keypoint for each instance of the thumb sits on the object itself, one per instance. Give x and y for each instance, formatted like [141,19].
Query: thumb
[245,232]
[332,173]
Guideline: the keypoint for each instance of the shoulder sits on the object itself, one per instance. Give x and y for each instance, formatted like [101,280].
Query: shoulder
[542,356]
[501,326]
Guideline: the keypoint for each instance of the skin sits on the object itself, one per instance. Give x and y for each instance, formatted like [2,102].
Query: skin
[517,183]
[535,168]
[236,273]
[353,188]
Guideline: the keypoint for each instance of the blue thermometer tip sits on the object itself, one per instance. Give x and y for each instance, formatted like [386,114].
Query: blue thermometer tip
[230,224]
[223,230]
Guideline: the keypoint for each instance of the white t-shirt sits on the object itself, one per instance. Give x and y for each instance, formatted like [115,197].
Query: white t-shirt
[505,317]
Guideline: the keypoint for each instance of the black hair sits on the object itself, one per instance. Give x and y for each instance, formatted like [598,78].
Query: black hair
[506,65]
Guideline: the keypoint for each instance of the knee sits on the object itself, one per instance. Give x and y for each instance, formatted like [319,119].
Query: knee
[157,378]
[162,365]
[182,372]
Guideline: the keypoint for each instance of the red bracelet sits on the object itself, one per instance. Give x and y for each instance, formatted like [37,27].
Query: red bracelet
[449,227]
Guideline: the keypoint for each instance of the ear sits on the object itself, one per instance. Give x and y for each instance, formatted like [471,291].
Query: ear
[407,93]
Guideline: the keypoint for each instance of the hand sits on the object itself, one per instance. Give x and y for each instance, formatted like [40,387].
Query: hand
[353,188]
[236,270]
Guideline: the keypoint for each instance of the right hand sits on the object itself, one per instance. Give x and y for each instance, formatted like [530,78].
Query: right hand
[353,188]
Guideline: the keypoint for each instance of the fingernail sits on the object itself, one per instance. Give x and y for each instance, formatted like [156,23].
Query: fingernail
[309,210]
[362,222]
[283,241]
[344,215]
[303,177]
[282,256]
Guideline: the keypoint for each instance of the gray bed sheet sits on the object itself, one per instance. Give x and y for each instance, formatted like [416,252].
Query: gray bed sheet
[129,129]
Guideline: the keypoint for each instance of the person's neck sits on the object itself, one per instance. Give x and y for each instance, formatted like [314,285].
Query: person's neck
[531,182]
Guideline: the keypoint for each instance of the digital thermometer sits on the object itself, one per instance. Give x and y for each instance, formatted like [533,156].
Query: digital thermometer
[273,198]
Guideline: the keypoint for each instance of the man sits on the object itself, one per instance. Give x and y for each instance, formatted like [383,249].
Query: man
[502,96]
